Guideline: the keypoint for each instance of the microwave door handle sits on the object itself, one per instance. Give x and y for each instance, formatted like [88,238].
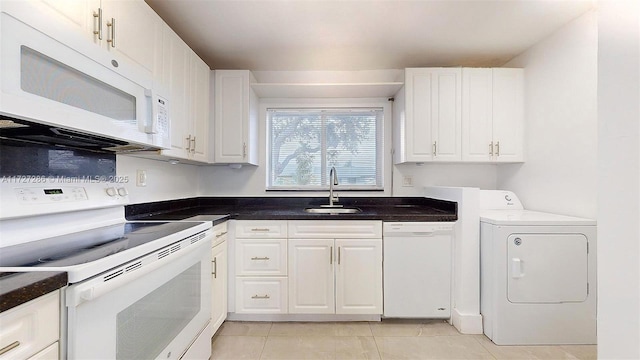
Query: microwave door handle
[151,126]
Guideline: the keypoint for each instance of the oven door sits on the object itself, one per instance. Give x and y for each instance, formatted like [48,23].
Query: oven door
[153,307]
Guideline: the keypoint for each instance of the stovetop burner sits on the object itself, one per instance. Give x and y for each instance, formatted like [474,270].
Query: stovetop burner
[86,246]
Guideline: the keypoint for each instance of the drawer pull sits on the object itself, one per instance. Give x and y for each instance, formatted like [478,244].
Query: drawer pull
[261,297]
[9,347]
[221,234]
[260,229]
[215,268]
[256,258]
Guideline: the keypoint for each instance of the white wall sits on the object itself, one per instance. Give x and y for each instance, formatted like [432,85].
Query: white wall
[561,132]
[164,181]
[619,180]
[461,175]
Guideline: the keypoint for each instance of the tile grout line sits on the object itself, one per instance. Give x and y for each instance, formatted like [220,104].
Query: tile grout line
[266,338]
[484,347]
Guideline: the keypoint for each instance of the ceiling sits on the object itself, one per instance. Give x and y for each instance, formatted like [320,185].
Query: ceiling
[298,35]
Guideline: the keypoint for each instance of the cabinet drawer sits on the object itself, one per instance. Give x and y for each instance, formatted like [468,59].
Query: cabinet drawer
[30,327]
[261,257]
[219,232]
[261,229]
[261,295]
[344,229]
[50,353]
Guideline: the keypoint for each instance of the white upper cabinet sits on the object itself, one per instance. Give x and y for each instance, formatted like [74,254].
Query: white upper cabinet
[186,77]
[235,120]
[129,30]
[427,116]
[492,115]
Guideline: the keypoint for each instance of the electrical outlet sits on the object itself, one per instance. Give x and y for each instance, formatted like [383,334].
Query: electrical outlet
[407,181]
[141,178]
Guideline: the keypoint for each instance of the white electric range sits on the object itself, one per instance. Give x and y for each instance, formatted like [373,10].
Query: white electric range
[137,289]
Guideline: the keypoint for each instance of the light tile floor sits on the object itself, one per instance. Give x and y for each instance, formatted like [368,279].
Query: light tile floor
[389,339]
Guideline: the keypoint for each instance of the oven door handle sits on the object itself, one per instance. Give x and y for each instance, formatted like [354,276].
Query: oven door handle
[103,284]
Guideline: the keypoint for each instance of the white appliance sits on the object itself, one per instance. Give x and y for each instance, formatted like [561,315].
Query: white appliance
[137,290]
[75,85]
[417,269]
[537,274]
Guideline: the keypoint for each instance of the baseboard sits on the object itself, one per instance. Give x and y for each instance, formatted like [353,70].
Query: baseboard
[300,317]
[467,323]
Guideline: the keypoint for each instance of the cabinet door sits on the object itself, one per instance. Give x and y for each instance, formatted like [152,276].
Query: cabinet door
[418,99]
[477,114]
[176,63]
[358,276]
[508,114]
[311,286]
[78,14]
[219,285]
[231,116]
[446,118]
[134,33]
[433,100]
[200,109]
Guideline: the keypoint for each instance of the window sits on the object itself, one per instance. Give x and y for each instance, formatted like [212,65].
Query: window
[305,143]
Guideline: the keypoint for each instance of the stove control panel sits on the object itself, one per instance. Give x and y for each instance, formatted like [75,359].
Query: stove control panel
[25,199]
[51,195]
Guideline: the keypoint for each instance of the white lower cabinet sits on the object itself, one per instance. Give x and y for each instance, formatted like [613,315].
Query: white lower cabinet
[261,295]
[260,267]
[308,267]
[338,274]
[31,330]
[311,282]
[219,276]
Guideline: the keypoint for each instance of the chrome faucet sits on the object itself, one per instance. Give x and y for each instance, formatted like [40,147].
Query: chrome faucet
[333,180]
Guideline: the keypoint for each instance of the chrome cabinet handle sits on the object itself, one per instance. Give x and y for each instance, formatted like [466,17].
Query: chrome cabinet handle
[244,150]
[221,234]
[498,148]
[112,25]
[331,256]
[98,16]
[193,144]
[491,149]
[260,229]
[261,297]
[9,347]
[188,143]
[215,268]
[435,148]
[256,258]
[339,255]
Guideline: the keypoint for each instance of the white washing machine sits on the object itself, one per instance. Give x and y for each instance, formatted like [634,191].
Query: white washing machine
[537,274]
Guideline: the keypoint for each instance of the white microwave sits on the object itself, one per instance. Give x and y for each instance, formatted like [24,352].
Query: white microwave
[77,88]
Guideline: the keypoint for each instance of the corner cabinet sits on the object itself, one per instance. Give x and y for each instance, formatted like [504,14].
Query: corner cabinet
[235,118]
[492,115]
[335,267]
[427,116]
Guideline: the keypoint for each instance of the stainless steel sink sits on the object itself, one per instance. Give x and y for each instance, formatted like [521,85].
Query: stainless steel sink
[333,210]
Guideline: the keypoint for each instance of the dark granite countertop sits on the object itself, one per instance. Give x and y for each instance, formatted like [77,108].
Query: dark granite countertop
[18,288]
[292,208]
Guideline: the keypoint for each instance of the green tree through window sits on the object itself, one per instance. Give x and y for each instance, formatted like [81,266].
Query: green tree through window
[306,143]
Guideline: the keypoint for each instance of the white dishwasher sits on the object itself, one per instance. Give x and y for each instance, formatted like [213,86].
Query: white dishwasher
[417,269]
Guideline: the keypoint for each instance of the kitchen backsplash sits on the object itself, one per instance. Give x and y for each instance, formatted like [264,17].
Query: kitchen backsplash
[53,162]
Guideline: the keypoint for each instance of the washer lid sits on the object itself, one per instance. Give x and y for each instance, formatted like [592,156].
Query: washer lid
[528,217]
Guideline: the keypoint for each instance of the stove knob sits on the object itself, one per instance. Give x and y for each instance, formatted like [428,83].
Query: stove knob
[123,191]
[112,191]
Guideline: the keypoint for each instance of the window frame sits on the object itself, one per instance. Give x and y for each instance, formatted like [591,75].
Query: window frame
[382,138]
